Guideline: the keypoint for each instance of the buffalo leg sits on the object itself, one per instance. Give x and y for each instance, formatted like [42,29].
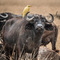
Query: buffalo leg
[10,53]
[16,54]
[7,53]
[53,44]
[34,54]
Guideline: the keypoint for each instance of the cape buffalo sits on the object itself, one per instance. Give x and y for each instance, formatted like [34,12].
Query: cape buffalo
[26,33]
[57,15]
[6,16]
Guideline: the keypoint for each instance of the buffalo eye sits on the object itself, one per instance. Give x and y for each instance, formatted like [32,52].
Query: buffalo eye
[43,20]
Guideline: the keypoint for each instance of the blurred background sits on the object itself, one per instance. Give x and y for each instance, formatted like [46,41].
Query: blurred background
[43,7]
[38,6]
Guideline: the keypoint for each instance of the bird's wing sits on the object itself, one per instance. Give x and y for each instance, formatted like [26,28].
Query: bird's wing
[25,11]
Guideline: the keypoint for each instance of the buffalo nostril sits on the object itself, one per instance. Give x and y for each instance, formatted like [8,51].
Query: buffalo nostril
[39,27]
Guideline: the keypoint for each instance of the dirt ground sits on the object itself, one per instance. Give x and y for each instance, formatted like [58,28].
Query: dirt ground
[43,7]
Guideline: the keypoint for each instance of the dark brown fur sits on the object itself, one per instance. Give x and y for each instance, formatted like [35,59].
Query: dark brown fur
[22,33]
[50,36]
[10,15]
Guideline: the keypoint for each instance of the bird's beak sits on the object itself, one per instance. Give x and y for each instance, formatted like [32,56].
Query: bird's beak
[29,5]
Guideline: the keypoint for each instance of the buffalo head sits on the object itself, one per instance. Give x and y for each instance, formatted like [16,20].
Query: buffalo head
[38,21]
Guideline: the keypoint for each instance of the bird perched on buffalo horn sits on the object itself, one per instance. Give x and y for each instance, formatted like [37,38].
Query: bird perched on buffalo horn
[26,9]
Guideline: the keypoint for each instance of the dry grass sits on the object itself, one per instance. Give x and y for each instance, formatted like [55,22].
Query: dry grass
[43,7]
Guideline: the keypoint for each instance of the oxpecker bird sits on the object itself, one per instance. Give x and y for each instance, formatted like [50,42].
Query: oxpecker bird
[26,9]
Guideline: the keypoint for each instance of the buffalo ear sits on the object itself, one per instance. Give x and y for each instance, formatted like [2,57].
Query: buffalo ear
[49,27]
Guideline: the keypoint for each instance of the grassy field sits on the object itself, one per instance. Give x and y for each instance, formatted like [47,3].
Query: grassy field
[43,7]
